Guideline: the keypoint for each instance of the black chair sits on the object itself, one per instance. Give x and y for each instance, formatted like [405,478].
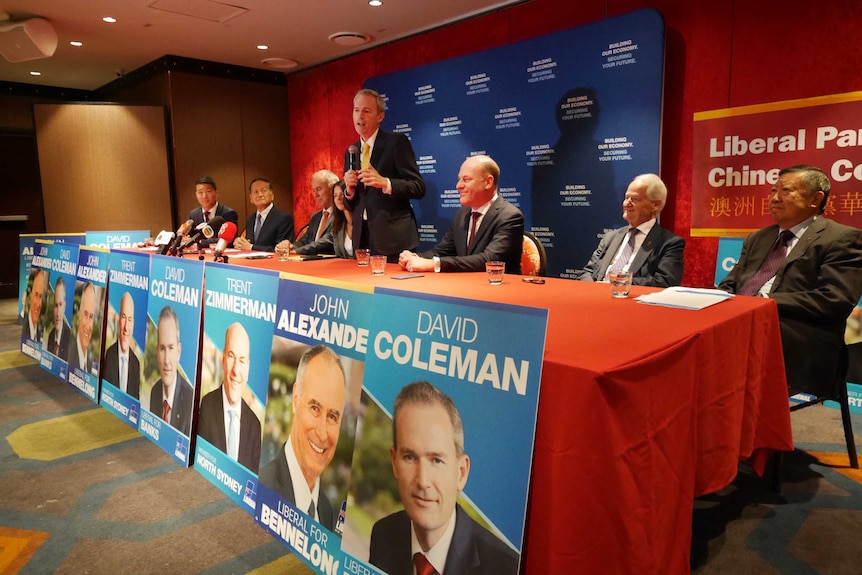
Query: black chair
[533,257]
[839,395]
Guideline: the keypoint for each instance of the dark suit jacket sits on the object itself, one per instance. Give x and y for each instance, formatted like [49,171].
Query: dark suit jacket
[657,263]
[64,340]
[310,234]
[500,237]
[181,412]
[391,221]
[211,427]
[276,476]
[277,226]
[474,550]
[111,371]
[227,212]
[27,333]
[330,243]
[72,352]
[816,288]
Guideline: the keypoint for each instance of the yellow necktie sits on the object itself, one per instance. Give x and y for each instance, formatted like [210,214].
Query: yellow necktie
[366,155]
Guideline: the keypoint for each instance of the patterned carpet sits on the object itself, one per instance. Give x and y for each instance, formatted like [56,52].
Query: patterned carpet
[80,492]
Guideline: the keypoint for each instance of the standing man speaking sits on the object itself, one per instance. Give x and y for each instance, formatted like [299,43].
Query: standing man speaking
[379,191]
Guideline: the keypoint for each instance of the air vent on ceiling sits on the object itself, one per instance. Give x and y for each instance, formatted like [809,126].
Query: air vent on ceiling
[350,38]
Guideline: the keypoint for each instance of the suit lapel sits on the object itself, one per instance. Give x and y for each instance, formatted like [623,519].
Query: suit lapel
[650,243]
[812,234]
[487,222]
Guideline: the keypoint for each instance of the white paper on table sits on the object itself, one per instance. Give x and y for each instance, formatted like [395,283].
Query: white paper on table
[685,298]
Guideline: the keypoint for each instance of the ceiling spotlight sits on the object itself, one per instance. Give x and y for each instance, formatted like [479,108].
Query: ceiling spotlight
[262,47]
[375,3]
[350,38]
[109,19]
[35,73]
[76,43]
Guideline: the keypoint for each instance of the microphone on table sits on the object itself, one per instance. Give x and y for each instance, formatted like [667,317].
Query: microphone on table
[353,164]
[206,230]
[163,242]
[182,231]
[226,235]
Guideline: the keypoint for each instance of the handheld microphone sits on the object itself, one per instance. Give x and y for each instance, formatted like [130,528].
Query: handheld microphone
[353,164]
[226,235]
[182,231]
[202,230]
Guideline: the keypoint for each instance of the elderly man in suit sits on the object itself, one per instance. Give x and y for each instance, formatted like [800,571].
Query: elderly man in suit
[122,367]
[653,254]
[319,396]
[172,396]
[812,267]
[321,221]
[80,356]
[225,418]
[32,327]
[206,193]
[431,468]
[268,225]
[58,338]
[379,193]
[487,227]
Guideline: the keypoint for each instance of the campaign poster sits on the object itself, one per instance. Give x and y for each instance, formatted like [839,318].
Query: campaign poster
[853,339]
[125,334]
[318,359]
[171,354]
[85,347]
[461,379]
[34,310]
[738,153]
[239,318]
[58,308]
[117,239]
[571,118]
[728,254]
[26,250]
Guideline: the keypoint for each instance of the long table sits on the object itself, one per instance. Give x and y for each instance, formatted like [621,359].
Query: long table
[642,408]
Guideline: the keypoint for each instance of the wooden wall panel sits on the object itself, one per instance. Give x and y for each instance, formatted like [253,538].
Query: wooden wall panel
[103,167]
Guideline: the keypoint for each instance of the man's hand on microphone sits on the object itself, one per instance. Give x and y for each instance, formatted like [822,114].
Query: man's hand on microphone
[351,179]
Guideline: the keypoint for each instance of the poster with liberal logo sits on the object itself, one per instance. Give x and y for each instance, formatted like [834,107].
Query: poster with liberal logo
[58,309]
[125,334]
[239,316]
[26,250]
[85,346]
[171,354]
[318,360]
[445,442]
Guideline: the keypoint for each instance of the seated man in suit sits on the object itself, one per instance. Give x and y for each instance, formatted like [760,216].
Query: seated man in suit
[225,418]
[206,193]
[32,327]
[172,396]
[653,254]
[58,338]
[431,468]
[122,368]
[319,396]
[812,267]
[268,225]
[321,220]
[81,356]
[487,227]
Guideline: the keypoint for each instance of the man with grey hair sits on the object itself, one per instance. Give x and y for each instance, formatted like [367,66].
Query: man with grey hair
[321,221]
[433,534]
[486,228]
[812,267]
[653,254]
[318,400]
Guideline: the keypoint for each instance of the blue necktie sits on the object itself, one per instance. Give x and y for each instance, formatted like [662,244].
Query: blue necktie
[257,224]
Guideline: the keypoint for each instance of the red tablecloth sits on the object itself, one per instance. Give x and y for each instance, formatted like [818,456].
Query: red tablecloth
[641,409]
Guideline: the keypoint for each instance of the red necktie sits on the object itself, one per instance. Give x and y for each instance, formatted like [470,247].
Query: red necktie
[770,265]
[423,566]
[166,413]
[472,241]
[323,221]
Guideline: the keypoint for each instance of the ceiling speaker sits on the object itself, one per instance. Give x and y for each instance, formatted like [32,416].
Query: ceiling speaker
[27,40]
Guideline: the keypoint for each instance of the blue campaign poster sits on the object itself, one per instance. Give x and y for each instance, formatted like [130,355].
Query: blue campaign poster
[239,317]
[125,334]
[171,355]
[728,254]
[571,118]
[117,239]
[26,247]
[315,382]
[34,310]
[85,347]
[468,395]
[58,308]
